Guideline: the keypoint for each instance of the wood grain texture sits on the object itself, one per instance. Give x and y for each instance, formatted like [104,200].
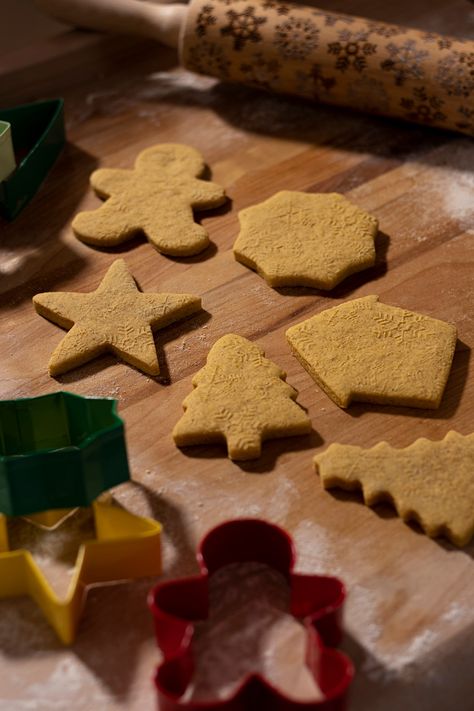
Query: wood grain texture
[410,618]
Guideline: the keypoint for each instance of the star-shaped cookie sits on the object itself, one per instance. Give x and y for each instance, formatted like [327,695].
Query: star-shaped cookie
[115,318]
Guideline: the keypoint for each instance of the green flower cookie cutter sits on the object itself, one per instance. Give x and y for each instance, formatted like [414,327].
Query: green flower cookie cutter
[59,451]
[37,132]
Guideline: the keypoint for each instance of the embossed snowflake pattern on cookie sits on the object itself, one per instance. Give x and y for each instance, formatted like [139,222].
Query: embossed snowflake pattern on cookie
[115,318]
[242,398]
[305,239]
[156,198]
[368,351]
[428,482]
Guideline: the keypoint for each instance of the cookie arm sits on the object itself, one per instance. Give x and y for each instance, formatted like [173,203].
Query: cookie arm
[106,226]
[206,194]
[107,181]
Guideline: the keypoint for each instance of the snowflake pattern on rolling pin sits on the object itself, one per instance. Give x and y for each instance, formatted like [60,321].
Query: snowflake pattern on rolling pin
[456,73]
[422,107]
[348,61]
[405,61]
[210,58]
[351,50]
[243,27]
[296,38]
[204,20]
[261,72]
[279,7]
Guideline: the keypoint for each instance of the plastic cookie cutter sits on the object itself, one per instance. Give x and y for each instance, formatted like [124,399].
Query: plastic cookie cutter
[7,156]
[126,546]
[38,135]
[59,451]
[317,600]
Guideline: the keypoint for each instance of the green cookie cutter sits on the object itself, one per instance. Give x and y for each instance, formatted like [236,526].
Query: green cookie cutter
[7,156]
[38,136]
[59,451]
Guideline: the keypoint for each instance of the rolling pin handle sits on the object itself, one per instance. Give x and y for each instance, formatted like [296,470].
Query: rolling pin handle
[161,22]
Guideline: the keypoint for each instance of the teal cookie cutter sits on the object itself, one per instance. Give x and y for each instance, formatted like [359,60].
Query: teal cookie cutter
[38,136]
[59,451]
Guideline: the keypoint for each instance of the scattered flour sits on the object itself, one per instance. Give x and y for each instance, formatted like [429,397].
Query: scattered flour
[275,508]
[66,681]
[161,84]
[318,553]
[456,613]
[11,261]
[446,189]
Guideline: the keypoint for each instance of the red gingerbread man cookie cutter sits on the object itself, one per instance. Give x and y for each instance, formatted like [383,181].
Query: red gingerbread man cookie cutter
[316,600]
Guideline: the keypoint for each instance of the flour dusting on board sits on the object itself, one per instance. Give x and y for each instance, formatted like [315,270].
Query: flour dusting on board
[447,190]
[178,80]
[318,552]
[65,682]
[455,179]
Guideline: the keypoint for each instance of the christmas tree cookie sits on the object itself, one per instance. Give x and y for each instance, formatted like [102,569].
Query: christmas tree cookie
[428,482]
[365,350]
[115,318]
[240,397]
[305,239]
[157,197]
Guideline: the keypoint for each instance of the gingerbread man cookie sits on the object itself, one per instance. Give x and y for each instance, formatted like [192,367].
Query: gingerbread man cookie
[157,198]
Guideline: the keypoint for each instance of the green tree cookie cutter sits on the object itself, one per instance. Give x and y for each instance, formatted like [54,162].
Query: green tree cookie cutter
[59,451]
[38,137]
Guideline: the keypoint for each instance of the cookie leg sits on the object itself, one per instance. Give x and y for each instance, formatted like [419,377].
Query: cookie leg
[104,227]
[77,347]
[175,232]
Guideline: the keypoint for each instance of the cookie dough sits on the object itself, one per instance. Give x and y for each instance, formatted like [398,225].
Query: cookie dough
[428,482]
[242,398]
[116,318]
[305,239]
[157,197]
[365,350]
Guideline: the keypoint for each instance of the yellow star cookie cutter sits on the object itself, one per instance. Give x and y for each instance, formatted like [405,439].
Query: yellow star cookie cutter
[126,547]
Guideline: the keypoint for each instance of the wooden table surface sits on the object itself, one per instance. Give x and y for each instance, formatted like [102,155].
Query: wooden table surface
[409,616]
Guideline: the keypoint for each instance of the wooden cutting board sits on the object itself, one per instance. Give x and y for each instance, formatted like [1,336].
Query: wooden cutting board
[409,617]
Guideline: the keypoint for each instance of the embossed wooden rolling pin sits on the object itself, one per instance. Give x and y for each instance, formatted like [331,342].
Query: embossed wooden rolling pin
[292,49]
